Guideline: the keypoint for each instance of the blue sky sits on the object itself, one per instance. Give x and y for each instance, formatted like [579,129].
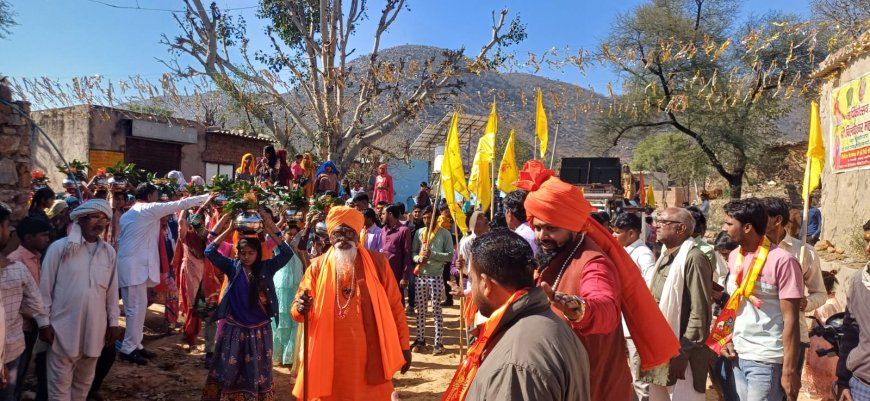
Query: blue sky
[61,39]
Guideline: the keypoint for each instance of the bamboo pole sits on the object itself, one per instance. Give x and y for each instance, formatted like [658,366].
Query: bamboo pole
[555,140]
[461,298]
[806,217]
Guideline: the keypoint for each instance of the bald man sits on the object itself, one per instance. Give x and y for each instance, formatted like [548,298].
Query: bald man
[681,283]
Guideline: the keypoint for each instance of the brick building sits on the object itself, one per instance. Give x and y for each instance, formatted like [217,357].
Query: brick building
[103,136]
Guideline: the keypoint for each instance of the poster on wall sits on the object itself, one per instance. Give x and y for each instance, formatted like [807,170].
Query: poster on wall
[850,125]
[103,158]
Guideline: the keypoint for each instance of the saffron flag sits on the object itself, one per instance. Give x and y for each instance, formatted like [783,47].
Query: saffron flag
[650,197]
[541,123]
[815,154]
[508,174]
[453,175]
[480,178]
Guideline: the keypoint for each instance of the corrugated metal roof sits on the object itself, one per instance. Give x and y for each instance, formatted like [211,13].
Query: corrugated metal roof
[237,133]
[470,126]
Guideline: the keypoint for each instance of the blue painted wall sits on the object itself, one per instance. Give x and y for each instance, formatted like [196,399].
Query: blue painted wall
[407,178]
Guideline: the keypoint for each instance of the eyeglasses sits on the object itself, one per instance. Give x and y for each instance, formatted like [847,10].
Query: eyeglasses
[663,222]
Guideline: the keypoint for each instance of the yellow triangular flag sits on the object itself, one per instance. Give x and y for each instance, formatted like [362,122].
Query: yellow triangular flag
[453,175]
[650,197]
[507,171]
[480,178]
[815,153]
[541,123]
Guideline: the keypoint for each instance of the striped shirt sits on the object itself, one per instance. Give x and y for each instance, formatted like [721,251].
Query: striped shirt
[20,295]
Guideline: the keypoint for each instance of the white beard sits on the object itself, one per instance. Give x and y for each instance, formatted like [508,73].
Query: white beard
[344,259]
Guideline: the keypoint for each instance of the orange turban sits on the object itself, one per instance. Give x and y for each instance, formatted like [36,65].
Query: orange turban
[533,174]
[563,205]
[558,203]
[348,216]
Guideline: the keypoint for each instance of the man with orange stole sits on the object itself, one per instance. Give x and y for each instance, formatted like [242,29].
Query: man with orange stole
[358,334]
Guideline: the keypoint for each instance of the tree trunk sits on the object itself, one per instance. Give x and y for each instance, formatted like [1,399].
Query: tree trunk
[735,181]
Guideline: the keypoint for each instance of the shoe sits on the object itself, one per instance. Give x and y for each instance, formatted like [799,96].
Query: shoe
[133,357]
[147,354]
[209,360]
[439,350]
[448,302]
[418,346]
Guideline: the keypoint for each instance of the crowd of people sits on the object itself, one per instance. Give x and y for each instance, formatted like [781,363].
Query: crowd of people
[559,303]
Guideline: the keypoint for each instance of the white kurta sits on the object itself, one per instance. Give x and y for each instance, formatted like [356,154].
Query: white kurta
[81,294]
[138,255]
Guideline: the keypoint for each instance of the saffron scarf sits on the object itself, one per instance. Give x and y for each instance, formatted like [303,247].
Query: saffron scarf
[321,338]
[557,201]
[723,328]
[464,375]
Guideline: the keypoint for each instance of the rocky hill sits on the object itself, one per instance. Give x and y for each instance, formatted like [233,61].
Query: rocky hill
[514,93]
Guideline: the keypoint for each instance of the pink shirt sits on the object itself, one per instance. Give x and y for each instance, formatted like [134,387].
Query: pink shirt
[29,259]
[758,331]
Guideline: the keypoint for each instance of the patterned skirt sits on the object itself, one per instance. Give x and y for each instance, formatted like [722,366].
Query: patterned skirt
[242,369]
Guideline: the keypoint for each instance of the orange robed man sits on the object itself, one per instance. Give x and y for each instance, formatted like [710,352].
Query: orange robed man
[591,282]
[358,335]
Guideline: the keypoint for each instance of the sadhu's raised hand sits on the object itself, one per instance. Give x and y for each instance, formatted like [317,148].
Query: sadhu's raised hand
[572,306]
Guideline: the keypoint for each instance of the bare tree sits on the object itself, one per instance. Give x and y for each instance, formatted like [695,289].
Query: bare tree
[7,19]
[305,84]
[849,17]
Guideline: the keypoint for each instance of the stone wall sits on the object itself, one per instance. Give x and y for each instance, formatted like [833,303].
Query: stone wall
[14,157]
[68,129]
[844,195]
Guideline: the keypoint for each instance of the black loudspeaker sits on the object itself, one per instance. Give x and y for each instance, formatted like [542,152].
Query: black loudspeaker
[591,170]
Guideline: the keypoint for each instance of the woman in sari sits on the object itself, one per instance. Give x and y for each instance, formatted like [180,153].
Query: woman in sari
[327,178]
[246,169]
[307,179]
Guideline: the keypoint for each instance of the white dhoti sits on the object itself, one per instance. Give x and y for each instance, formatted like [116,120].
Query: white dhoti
[682,391]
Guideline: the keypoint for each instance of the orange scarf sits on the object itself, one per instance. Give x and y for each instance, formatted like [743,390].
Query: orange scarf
[463,377]
[723,328]
[321,346]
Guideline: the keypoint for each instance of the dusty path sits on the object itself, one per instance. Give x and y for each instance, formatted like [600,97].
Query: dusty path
[177,375]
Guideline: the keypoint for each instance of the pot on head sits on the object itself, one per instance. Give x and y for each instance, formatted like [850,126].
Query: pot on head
[249,222]
[68,183]
[117,182]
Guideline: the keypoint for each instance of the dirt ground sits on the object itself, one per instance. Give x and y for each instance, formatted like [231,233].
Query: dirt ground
[177,375]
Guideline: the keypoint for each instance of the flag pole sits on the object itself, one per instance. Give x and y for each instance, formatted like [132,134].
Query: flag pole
[461,298]
[806,217]
[555,140]
[535,151]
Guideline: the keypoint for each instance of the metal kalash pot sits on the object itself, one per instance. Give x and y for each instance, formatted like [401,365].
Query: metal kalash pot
[101,182]
[118,183]
[220,200]
[68,183]
[249,222]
